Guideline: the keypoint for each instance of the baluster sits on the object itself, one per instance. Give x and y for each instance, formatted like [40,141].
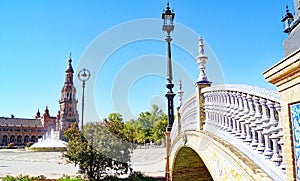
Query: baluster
[213,108]
[253,125]
[239,119]
[230,112]
[227,107]
[218,107]
[235,113]
[248,118]
[261,142]
[276,158]
[278,109]
[272,122]
[210,109]
[223,109]
[283,164]
[228,104]
[268,152]
[276,132]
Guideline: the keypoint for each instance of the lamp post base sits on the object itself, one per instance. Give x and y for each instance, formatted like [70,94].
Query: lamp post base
[168,146]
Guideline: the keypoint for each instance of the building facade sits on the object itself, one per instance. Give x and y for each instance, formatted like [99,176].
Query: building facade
[20,131]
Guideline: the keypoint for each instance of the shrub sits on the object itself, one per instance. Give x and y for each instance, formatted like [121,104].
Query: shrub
[10,145]
[38,178]
[29,144]
[138,176]
[68,178]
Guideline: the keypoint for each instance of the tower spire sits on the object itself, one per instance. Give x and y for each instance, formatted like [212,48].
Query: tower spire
[38,114]
[201,61]
[69,67]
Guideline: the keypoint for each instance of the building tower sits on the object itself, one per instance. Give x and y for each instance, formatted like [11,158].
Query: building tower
[67,113]
[48,122]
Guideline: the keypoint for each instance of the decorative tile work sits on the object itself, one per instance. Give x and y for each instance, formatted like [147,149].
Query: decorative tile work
[295,114]
[224,169]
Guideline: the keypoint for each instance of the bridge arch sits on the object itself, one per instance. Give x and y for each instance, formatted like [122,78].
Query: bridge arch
[188,165]
[215,157]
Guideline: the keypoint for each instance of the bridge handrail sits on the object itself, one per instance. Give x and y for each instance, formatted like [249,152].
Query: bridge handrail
[249,118]
[188,117]
[258,91]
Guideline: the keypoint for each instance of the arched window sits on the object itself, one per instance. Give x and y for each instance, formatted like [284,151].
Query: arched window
[26,139]
[12,139]
[4,139]
[19,139]
[33,139]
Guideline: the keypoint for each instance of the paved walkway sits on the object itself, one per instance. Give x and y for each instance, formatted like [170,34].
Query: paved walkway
[51,164]
[150,161]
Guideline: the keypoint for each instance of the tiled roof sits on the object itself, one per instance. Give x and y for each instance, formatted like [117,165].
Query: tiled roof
[18,122]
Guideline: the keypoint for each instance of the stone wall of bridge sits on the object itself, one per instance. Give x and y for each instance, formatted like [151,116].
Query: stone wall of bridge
[199,156]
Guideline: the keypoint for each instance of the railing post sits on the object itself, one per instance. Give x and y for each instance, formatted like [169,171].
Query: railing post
[201,83]
[200,102]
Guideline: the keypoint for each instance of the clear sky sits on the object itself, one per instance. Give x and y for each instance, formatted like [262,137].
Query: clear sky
[122,44]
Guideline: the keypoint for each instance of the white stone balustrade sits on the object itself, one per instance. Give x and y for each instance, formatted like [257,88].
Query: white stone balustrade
[249,118]
[188,112]
[188,118]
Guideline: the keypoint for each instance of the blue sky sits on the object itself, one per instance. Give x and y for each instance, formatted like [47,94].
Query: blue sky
[114,40]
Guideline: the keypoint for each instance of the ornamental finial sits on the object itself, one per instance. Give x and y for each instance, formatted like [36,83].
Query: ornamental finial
[201,61]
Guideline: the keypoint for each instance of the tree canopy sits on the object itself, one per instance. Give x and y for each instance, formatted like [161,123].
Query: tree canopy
[104,148]
[97,151]
[149,127]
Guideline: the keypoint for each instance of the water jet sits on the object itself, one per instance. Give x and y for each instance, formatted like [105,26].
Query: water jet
[49,142]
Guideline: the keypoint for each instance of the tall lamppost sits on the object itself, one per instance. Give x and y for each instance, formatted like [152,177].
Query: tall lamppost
[168,27]
[83,76]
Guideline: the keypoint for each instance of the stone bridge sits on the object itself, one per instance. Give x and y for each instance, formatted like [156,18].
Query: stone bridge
[240,138]
[238,132]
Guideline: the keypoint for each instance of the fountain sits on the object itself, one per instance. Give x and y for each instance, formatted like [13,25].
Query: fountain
[49,143]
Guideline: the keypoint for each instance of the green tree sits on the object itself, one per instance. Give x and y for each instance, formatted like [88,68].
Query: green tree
[144,128]
[159,129]
[96,151]
[130,131]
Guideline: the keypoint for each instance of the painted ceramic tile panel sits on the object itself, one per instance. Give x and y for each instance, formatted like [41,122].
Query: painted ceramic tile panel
[295,114]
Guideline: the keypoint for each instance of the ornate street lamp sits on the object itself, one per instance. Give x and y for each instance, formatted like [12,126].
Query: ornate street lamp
[83,76]
[168,27]
[287,21]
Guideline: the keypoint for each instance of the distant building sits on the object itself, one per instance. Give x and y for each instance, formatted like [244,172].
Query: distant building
[22,130]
